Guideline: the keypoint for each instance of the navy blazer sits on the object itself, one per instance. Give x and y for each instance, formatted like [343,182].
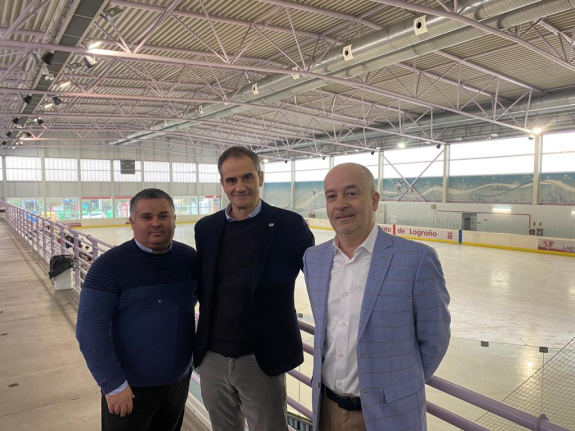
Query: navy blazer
[283,239]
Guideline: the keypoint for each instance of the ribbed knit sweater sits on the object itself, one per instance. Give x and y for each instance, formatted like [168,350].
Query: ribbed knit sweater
[136,316]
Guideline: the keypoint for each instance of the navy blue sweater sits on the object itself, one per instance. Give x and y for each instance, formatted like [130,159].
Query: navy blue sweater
[136,316]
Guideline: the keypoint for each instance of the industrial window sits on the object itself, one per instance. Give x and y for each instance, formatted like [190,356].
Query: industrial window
[277,172]
[494,157]
[413,163]
[95,170]
[23,168]
[61,169]
[208,173]
[558,153]
[311,169]
[157,172]
[127,178]
[184,173]
[366,159]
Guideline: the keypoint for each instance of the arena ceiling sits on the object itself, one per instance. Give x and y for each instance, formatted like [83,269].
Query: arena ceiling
[290,79]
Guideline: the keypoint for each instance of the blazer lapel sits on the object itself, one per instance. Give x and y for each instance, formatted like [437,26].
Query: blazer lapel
[212,241]
[380,261]
[322,292]
[266,232]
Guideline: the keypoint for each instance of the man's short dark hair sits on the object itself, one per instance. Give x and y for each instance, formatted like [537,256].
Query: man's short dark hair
[238,152]
[151,194]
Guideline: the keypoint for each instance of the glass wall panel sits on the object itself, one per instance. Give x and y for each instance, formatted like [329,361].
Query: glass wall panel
[61,169]
[122,207]
[95,170]
[184,172]
[208,173]
[411,164]
[496,171]
[558,169]
[277,184]
[309,176]
[209,204]
[186,205]
[23,168]
[33,205]
[157,172]
[62,208]
[96,207]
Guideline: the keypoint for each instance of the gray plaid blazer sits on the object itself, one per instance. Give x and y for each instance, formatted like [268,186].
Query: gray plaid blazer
[403,332]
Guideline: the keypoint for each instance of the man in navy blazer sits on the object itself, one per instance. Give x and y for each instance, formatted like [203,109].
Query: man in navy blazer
[381,318]
[249,256]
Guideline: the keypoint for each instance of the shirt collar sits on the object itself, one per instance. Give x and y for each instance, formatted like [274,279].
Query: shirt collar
[368,244]
[149,250]
[254,213]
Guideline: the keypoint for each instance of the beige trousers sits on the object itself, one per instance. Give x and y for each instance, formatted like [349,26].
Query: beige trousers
[334,418]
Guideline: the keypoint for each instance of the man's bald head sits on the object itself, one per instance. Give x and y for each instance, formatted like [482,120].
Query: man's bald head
[351,201]
[365,174]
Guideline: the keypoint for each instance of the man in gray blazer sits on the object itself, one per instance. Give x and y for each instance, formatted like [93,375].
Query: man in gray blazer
[380,308]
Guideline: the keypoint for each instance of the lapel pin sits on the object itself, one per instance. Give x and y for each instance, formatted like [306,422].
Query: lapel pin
[271,225]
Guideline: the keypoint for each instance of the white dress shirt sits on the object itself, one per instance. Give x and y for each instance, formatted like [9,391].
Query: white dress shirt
[346,288]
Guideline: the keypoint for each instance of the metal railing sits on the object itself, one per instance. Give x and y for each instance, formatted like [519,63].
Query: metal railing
[49,238]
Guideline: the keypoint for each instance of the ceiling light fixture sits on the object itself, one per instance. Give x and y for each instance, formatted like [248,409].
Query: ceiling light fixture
[401,145]
[89,61]
[537,130]
[92,43]
[48,58]
[39,121]
[112,13]
[8,134]
[48,105]
[56,100]
[74,66]
[266,160]
[27,99]
[65,84]
[372,153]
[15,120]
[438,146]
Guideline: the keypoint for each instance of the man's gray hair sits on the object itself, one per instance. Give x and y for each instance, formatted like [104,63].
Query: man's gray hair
[151,194]
[237,152]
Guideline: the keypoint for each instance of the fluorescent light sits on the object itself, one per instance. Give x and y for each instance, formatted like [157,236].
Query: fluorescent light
[501,210]
[65,84]
[48,105]
[92,44]
[401,145]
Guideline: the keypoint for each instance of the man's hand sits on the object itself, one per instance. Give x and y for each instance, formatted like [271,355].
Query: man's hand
[121,403]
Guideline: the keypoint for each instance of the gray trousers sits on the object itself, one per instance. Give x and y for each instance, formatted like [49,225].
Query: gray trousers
[236,389]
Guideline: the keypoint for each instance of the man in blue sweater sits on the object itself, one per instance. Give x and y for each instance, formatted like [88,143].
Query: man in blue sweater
[136,321]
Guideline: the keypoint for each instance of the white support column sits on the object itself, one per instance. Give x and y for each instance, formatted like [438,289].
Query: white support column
[331,162]
[380,174]
[142,166]
[79,168]
[446,161]
[4,180]
[198,184]
[112,181]
[43,166]
[171,173]
[537,170]
[292,190]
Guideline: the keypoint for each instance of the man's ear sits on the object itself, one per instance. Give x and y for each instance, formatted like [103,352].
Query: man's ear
[261,177]
[375,202]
